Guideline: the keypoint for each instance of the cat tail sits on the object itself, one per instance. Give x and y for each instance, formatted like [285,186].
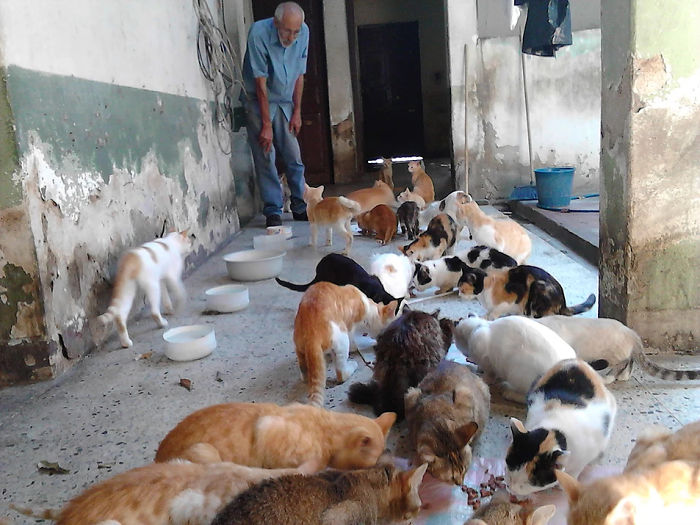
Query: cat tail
[579,308]
[351,205]
[363,393]
[315,375]
[295,287]
[43,514]
[657,370]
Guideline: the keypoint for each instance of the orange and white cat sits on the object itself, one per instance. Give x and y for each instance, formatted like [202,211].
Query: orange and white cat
[326,320]
[331,212]
[504,234]
[422,183]
[177,492]
[156,268]
[408,195]
[656,445]
[272,436]
[380,193]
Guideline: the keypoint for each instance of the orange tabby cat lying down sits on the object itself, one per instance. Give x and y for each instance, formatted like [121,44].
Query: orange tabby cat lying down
[327,317]
[272,436]
[368,198]
[163,494]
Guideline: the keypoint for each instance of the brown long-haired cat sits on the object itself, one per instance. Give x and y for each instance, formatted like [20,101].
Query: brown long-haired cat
[156,267]
[327,317]
[272,436]
[523,290]
[331,212]
[368,198]
[370,496]
[422,183]
[380,220]
[163,494]
[445,414]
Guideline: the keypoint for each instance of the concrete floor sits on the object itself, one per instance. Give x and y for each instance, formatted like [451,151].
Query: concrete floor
[110,411]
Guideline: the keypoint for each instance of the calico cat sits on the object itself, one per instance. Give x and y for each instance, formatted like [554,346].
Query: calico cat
[613,350]
[438,239]
[523,290]
[329,212]
[271,436]
[394,271]
[368,198]
[500,511]
[156,267]
[504,234]
[326,321]
[513,349]
[570,418]
[406,350]
[386,174]
[487,259]
[443,273]
[657,445]
[376,495]
[445,413]
[422,183]
[341,270]
[408,219]
[411,196]
[666,493]
[380,220]
[177,492]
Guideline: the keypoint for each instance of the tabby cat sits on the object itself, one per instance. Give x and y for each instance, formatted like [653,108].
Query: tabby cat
[331,212]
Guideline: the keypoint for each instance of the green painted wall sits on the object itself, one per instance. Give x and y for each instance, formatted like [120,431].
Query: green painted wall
[10,191]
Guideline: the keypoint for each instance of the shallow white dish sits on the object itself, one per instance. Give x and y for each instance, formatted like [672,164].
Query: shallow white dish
[280,230]
[276,242]
[227,298]
[254,265]
[186,343]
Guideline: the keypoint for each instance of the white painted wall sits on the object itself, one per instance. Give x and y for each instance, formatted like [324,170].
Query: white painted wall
[144,44]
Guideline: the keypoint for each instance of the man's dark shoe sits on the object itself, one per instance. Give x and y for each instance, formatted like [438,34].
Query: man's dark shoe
[273,220]
[300,216]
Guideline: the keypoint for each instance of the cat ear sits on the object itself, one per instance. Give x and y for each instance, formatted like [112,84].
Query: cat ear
[465,433]
[570,485]
[402,249]
[436,313]
[541,515]
[410,398]
[626,510]
[321,188]
[561,457]
[385,421]
[411,479]
[517,427]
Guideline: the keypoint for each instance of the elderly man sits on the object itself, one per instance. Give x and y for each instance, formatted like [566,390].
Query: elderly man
[273,75]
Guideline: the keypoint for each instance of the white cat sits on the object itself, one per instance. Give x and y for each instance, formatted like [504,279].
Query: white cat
[570,418]
[156,267]
[394,271]
[443,273]
[514,349]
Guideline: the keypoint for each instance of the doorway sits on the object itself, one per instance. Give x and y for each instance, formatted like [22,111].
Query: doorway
[314,137]
[390,80]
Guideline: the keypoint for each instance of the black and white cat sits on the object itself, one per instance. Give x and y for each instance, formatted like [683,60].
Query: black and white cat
[486,258]
[443,273]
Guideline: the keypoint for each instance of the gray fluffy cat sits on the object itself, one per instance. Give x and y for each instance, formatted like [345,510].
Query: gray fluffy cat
[445,413]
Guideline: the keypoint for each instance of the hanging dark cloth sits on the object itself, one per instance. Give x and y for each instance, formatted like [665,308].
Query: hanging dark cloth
[548,26]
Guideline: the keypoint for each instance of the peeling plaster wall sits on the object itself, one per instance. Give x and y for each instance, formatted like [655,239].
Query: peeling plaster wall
[116,140]
[651,164]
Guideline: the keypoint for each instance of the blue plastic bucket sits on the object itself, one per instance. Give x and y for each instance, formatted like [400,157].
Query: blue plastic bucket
[554,187]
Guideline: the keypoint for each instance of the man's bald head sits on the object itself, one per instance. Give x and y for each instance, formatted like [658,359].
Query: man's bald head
[289,17]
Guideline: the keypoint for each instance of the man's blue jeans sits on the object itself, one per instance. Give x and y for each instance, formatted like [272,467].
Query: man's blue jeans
[286,145]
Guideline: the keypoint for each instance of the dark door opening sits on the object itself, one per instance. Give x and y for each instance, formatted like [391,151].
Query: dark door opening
[314,138]
[390,80]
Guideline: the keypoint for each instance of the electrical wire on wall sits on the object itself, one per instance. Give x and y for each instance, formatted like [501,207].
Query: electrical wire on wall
[219,65]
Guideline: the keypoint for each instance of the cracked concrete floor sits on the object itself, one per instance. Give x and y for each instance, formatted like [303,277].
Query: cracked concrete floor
[109,412]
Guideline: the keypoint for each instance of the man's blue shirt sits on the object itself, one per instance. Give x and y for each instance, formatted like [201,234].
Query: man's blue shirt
[266,57]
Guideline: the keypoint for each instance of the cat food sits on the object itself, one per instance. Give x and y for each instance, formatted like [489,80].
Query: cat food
[486,490]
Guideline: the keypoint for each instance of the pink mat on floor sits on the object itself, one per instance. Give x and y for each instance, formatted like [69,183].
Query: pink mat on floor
[445,504]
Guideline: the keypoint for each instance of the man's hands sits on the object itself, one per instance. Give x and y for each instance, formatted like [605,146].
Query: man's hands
[295,123]
[265,138]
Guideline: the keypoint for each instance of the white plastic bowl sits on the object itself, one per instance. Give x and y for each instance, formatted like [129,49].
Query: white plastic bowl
[187,343]
[280,230]
[227,298]
[254,265]
[276,242]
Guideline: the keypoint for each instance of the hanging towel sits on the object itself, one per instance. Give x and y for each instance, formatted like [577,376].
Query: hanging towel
[548,26]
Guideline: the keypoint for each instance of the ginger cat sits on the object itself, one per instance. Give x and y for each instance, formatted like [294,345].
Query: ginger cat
[368,198]
[411,196]
[500,511]
[380,220]
[666,493]
[422,183]
[329,212]
[381,494]
[271,436]
[326,321]
[504,234]
[177,492]
[156,267]
[386,175]
[657,445]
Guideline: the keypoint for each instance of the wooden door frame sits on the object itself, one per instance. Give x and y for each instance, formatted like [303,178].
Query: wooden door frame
[356,87]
